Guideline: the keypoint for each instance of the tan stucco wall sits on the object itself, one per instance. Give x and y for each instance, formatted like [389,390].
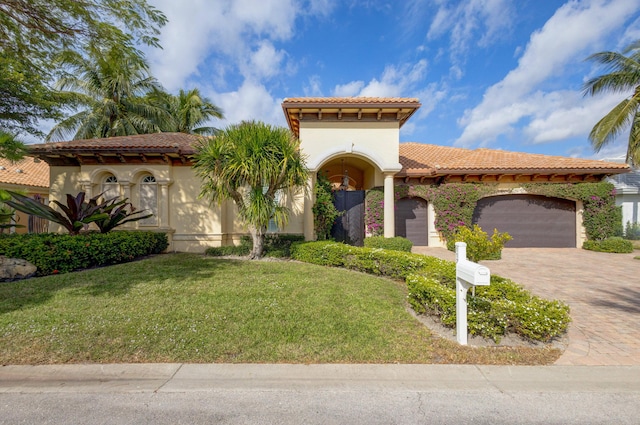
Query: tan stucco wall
[377,141]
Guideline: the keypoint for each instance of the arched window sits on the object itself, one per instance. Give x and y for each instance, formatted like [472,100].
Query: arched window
[149,199]
[110,187]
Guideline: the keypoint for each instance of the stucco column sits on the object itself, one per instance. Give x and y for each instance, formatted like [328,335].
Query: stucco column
[86,188]
[309,200]
[126,189]
[163,204]
[389,207]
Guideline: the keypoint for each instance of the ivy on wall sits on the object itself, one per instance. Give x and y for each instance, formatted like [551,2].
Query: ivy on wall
[324,211]
[454,204]
[601,218]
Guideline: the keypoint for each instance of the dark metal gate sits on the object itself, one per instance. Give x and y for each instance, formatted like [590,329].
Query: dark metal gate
[349,227]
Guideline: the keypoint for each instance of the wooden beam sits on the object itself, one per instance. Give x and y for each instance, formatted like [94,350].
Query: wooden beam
[319,114]
[359,114]
[379,114]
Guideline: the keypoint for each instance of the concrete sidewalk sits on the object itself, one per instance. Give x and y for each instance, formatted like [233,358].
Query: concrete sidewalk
[174,377]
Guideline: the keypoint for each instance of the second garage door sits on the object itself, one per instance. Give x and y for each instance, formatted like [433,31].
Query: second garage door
[411,220]
[533,221]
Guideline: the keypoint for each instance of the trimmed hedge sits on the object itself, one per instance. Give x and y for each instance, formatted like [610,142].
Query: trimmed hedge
[396,243]
[495,310]
[614,244]
[54,253]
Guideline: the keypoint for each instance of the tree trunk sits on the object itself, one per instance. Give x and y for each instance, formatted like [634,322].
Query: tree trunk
[257,235]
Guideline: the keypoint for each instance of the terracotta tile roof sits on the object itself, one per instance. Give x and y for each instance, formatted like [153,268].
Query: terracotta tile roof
[25,172]
[155,142]
[424,159]
[350,100]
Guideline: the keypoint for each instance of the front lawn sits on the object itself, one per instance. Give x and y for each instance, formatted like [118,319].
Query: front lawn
[188,308]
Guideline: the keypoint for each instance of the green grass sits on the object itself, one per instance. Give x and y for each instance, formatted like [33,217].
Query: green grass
[188,308]
[636,244]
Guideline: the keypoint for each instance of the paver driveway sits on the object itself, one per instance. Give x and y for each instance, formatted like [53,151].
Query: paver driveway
[603,291]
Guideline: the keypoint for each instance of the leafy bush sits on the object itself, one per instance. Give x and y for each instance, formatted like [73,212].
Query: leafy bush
[632,231]
[492,313]
[324,211]
[479,246]
[397,243]
[496,309]
[614,244]
[54,253]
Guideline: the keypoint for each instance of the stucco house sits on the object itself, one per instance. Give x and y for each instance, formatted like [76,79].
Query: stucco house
[353,141]
[31,177]
[628,195]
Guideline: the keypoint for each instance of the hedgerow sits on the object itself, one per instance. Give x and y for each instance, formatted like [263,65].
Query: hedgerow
[54,253]
[501,307]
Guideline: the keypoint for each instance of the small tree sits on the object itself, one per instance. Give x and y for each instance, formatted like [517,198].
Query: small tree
[250,163]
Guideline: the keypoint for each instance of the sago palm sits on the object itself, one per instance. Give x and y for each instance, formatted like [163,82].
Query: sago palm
[623,77]
[107,87]
[250,163]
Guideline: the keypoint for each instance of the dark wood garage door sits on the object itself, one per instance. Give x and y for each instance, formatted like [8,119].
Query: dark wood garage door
[411,220]
[533,221]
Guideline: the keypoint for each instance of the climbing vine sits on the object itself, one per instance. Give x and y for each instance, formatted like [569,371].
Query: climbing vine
[454,204]
[324,211]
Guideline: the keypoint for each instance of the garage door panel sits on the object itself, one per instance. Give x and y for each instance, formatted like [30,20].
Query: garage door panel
[411,220]
[533,221]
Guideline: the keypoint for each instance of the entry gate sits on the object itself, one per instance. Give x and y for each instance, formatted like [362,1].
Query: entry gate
[349,226]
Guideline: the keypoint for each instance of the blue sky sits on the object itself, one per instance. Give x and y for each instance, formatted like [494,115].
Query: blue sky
[503,74]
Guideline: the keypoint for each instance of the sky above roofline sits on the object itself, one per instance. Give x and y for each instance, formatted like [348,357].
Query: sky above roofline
[501,74]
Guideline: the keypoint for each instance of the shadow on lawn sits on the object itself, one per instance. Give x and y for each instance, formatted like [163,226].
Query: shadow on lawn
[113,280]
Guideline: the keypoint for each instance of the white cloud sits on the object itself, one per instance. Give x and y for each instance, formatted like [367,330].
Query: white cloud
[481,21]
[563,115]
[573,29]
[251,100]
[226,30]
[395,81]
[265,61]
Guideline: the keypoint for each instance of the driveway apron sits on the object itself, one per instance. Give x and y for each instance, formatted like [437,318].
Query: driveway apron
[603,291]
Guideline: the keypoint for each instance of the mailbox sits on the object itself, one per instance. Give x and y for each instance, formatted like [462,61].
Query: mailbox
[472,273]
[468,274]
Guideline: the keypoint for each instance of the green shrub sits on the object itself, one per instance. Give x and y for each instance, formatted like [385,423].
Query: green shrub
[397,243]
[494,310]
[614,244]
[479,246]
[632,231]
[54,253]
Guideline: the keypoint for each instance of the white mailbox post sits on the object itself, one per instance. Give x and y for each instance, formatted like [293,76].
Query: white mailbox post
[468,274]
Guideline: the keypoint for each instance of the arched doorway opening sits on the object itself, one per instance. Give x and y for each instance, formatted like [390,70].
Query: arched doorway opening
[350,176]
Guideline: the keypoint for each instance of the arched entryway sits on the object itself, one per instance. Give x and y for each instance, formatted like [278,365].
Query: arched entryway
[533,221]
[350,176]
[411,220]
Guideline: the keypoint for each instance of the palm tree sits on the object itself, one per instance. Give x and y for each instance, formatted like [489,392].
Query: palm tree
[623,77]
[108,85]
[188,110]
[251,163]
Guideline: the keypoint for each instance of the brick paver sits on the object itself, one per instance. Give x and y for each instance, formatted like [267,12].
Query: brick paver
[603,291]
